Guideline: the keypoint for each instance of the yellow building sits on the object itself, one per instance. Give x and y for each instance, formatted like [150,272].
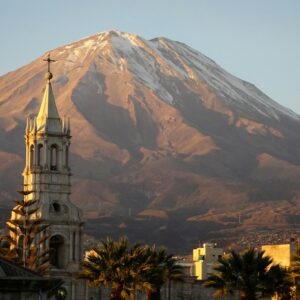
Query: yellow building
[204,259]
[281,254]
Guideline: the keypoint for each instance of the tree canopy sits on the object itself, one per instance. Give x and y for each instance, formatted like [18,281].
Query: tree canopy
[126,269]
[251,275]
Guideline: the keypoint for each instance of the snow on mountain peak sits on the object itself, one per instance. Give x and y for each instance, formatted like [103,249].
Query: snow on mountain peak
[149,60]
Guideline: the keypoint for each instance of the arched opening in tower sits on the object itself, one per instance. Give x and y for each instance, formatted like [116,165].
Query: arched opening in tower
[57,253]
[31,161]
[67,157]
[40,155]
[54,157]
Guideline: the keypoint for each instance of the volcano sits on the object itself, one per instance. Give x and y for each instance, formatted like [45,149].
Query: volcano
[167,146]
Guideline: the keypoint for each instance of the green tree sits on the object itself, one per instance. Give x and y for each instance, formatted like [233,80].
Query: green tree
[281,282]
[115,265]
[295,271]
[174,272]
[7,252]
[250,275]
[28,236]
[164,270]
[127,269]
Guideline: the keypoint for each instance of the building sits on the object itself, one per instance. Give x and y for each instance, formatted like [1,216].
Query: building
[17,282]
[47,176]
[187,268]
[204,259]
[280,254]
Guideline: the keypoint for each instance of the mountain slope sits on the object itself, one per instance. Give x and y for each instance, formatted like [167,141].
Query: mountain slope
[163,139]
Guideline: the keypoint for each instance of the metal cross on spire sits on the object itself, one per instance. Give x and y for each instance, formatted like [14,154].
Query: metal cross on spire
[49,61]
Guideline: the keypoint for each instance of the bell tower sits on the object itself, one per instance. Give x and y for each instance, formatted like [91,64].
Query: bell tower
[47,176]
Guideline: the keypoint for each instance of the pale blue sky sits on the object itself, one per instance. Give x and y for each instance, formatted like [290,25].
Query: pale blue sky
[256,40]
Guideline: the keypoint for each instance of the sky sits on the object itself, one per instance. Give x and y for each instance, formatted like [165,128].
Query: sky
[256,40]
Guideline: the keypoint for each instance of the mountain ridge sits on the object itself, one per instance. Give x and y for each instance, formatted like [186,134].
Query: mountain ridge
[159,131]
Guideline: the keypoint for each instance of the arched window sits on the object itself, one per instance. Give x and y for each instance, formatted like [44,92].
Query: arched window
[67,156]
[53,157]
[73,245]
[40,155]
[31,156]
[57,253]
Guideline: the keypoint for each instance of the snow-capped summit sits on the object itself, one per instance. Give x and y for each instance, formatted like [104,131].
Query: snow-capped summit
[148,60]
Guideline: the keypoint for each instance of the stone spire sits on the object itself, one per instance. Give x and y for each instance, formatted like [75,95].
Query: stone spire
[48,119]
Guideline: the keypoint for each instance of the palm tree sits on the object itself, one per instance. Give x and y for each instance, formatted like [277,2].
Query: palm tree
[295,270]
[281,282]
[126,269]
[155,275]
[115,265]
[173,271]
[164,270]
[250,275]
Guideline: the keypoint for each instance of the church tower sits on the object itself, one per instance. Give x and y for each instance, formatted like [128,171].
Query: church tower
[47,176]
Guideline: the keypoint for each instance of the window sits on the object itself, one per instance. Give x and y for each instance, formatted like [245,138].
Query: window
[67,156]
[53,157]
[74,245]
[57,247]
[31,158]
[56,206]
[40,155]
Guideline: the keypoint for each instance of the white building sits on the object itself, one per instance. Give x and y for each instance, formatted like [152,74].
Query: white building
[204,259]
